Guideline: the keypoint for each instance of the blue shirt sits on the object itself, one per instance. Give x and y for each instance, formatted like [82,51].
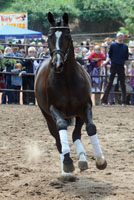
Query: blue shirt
[16,79]
[118,53]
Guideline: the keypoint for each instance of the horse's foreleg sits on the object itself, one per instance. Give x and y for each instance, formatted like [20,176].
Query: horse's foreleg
[92,132]
[62,166]
[82,162]
[61,125]
[53,130]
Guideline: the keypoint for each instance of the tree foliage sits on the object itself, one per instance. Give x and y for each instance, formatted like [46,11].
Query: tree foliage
[128,15]
[5,4]
[119,11]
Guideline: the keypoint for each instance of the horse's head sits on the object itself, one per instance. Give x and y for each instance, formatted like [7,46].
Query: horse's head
[59,40]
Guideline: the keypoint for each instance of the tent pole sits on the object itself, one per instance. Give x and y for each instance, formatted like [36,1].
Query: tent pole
[25,41]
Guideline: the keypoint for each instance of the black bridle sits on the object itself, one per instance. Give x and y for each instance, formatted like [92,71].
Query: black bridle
[59,51]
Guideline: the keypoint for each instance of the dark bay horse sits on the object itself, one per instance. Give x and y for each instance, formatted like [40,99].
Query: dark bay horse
[63,91]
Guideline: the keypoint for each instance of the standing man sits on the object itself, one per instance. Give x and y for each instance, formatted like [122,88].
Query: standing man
[118,54]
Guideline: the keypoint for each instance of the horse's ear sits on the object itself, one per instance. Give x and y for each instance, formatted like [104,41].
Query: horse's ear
[51,19]
[65,19]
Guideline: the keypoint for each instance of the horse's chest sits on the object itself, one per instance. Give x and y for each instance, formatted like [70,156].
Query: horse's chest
[68,101]
[67,96]
[63,96]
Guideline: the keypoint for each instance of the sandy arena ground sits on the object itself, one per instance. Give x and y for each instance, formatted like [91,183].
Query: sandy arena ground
[30,165]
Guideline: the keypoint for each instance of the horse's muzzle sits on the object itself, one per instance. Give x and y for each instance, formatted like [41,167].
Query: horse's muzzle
[58,68]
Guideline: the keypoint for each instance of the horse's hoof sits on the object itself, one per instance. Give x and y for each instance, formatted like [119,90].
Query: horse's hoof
[101,163]
[68,168]
[83,165]
[68,165]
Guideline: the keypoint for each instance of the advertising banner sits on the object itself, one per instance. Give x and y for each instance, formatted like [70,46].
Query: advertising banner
[19,19]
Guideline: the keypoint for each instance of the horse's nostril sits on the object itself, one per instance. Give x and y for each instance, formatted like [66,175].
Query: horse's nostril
[53,64]
[59,66]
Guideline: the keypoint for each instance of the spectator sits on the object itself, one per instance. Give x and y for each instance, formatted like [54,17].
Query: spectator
[16,81]
[84,53]
[7,50]
[104,49]
[1,58]
[30,66]
[97,57]
[128,87]
[2,66]
[131,49]
[91,47]
[83,57]
[132,82]
[83,44]
[39,49]
[104,69]
[9,63]
[2,76]
[23,52]
[118,54]
[114,88]
[77,53]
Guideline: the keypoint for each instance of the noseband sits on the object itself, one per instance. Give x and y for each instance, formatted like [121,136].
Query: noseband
[59,51]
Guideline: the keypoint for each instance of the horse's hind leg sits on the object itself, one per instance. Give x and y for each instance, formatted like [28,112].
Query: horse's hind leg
[54,132]
[91,131]
[61,125]
[82,162]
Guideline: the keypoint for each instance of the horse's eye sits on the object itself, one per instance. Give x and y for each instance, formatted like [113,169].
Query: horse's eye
[67,32]
[50,35]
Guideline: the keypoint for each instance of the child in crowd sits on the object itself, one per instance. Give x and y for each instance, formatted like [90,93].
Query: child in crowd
[16,81]
[96,56]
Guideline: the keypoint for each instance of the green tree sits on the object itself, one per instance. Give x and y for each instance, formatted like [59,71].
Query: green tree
[118,11]
[5,4]
[128,15]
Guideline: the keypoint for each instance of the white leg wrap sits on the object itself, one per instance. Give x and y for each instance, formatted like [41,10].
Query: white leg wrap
[64,141]
[96,146]
[80,150]
[82,161]
[62,171]
[79,147]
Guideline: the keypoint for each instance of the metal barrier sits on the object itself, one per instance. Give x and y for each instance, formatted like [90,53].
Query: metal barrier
[13,90]
[31,74]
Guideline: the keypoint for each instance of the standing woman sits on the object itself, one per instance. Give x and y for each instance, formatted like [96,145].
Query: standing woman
[30,66]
